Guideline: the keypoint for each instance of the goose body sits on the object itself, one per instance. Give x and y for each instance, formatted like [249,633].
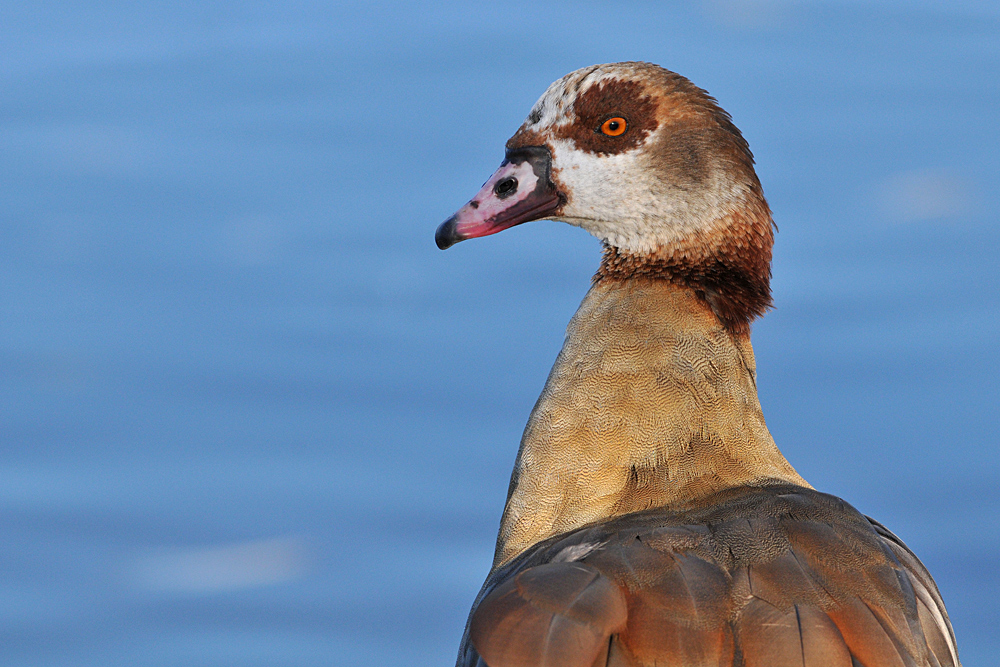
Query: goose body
[651,519]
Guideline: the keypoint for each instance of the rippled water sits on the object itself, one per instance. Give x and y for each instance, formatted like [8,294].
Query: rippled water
[249,415]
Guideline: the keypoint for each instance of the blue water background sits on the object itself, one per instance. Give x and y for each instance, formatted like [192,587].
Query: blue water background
[250,415]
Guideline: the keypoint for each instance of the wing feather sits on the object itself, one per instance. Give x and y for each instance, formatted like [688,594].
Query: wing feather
[866,638]
[767,577]
[931,612]
[802,636]
[678,604]
[553,614]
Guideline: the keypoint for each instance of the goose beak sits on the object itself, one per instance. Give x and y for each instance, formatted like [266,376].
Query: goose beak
[519,191]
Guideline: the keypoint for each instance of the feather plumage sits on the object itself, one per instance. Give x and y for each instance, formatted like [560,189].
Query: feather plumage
[772,576]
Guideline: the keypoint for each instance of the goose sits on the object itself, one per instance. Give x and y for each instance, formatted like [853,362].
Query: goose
[650,518]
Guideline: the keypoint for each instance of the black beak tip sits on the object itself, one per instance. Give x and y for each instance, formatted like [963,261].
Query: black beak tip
[446,235]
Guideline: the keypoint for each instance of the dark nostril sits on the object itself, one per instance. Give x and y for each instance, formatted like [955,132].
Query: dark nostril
[505,188]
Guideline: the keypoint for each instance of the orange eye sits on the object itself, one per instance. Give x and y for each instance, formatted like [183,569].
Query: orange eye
[614,126]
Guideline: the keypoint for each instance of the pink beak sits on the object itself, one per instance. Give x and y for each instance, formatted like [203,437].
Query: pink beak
[519,191]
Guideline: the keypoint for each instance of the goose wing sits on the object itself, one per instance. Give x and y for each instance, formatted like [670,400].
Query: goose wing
[779,576]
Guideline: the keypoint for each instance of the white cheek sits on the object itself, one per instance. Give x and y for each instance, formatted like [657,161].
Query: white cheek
[609,195]
[623,201]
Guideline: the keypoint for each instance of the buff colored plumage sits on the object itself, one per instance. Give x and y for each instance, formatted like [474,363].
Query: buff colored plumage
[650,404]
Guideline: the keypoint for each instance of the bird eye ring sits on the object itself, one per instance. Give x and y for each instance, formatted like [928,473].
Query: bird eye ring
[614,127]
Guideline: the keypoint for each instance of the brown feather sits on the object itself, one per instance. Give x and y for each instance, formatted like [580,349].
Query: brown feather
[867,639]
[731,272]
[678,604]
[799,636]
[553,614]
[754,576]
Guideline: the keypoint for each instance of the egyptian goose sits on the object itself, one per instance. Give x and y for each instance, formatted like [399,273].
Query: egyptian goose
[651,520]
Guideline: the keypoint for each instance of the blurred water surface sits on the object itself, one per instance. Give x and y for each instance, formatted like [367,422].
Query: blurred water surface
[249,415]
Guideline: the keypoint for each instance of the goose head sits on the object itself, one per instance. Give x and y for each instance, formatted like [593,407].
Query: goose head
[648,163]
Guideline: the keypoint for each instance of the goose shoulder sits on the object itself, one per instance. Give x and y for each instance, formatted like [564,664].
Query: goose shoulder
[768,576]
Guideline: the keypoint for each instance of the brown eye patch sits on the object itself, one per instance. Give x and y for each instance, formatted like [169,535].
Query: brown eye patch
[612,100]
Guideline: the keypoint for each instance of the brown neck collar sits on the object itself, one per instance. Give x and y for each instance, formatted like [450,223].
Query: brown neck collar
[730,269]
